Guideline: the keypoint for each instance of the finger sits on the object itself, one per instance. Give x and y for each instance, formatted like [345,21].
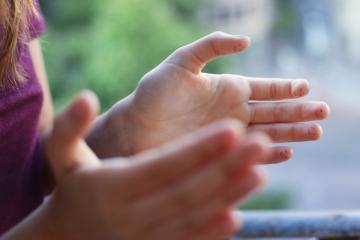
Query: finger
[288,112]
[160,168]
[66,148]
[279,155]
[222,227]
[295,132]
[277,89]
[210,183]
[195,56]
[203,215]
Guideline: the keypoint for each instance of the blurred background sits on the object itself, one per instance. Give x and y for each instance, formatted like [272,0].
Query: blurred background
[108,45]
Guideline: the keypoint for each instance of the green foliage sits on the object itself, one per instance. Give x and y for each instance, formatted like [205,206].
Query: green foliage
[108,46]
[274,200]
[65,15]
[132,37]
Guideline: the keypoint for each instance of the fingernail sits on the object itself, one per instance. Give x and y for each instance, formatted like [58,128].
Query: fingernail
[322,112]
[300,87]
[314,132]
[285,154]
[77,111]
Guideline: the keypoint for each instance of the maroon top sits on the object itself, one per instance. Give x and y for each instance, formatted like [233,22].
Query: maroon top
[21,187]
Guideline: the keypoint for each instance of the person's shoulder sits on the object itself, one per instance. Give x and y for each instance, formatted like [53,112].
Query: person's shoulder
[36,22]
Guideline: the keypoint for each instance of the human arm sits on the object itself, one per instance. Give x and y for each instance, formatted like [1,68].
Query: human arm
[47,113]
[177,97]
[160,194]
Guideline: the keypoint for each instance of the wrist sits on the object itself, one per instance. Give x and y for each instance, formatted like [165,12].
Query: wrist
[111,133]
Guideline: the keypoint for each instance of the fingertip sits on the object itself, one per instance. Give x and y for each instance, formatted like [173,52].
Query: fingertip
[248,41]
[315,132]
[245,39]
[244,42]
[323,111]
[74,121]
[85,106]
[300,87]
[287,153]
[236,221]
[280,154]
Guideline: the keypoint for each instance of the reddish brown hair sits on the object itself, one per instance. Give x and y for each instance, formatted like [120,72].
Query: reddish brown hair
[14,15]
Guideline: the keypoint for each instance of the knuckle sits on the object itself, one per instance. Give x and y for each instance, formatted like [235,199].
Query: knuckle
[218,34]
[274,91]
[278,112]
[290,88]
[181,51]
[254,115]
[301,111]
[293,133]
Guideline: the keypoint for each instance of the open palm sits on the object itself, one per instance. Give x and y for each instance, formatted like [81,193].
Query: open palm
[177,97]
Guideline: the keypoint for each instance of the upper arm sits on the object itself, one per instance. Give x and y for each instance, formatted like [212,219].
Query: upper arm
[46,116]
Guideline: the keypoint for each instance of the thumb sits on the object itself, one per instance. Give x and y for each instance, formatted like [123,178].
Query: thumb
[66,149]
[196,55]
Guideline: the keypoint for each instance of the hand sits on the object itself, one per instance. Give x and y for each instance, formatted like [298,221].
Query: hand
[183,190]
[177,97]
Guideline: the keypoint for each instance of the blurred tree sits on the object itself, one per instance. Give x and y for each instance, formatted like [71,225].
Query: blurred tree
[108,45]
[269,200]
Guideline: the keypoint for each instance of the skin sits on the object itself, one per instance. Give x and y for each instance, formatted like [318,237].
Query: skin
[47,113]
[144,196]
[177,97]
[215,166]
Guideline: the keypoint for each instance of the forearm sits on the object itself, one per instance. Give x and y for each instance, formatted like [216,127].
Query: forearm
[38,226]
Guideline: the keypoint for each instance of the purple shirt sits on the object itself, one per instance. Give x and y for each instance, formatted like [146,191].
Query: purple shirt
[21,187]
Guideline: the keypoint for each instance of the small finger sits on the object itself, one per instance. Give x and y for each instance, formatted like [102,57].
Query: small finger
[279,155]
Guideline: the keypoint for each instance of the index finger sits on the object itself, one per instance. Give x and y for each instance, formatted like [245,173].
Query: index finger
[195,56]
[277,89]
[161,167]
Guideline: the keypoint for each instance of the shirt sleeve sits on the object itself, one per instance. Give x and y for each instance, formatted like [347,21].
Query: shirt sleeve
[36,23]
